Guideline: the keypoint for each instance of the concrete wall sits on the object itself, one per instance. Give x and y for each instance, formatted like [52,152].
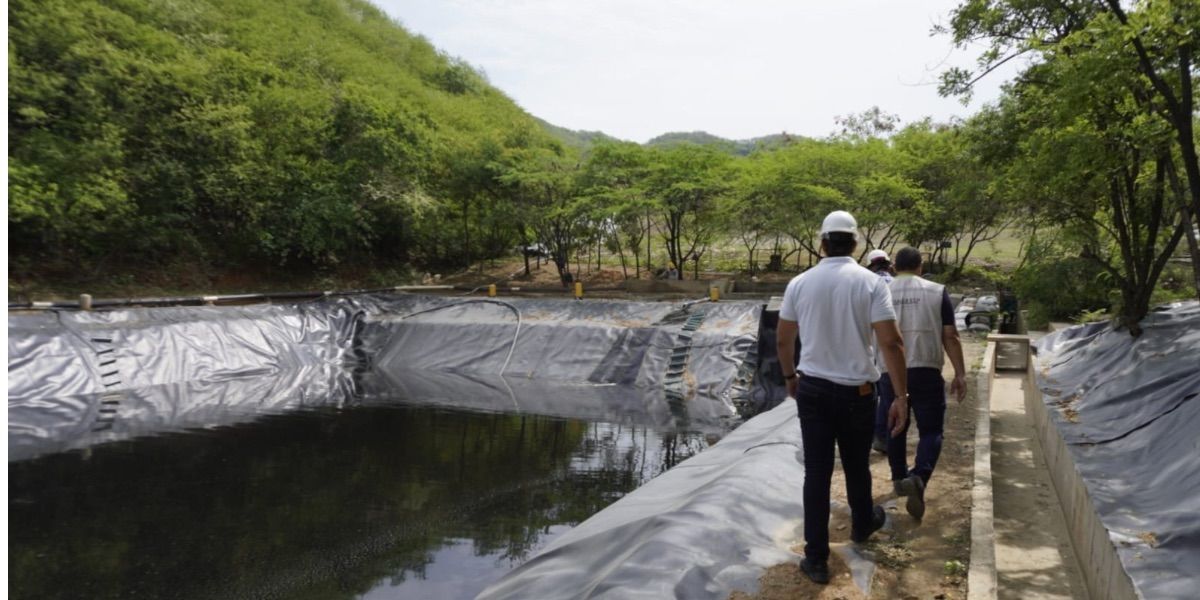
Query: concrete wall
[1100,566]
[673,286]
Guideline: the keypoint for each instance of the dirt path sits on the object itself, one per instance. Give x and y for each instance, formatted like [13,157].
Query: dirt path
[925,560]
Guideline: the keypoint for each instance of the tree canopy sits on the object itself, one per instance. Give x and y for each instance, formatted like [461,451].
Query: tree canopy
[305,136]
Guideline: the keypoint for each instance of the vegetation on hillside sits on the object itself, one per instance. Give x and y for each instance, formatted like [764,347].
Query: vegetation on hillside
[264,133]
[269,135]
[737,147]
[575,139]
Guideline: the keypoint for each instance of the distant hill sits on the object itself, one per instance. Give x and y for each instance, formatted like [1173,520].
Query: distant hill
[702,138]
[572,138]
[736,147]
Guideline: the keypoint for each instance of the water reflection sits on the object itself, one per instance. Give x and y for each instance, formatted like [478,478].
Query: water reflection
[379,500]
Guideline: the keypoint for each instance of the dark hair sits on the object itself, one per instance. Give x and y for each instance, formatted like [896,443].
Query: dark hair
[879,264]
[839,243]
[908,259]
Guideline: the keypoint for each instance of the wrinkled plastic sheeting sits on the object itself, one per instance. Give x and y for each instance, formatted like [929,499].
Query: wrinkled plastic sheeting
[54,354]
[1129,411]
[79,378]
[625,343]
[603,402]
[709,526]
[58,424]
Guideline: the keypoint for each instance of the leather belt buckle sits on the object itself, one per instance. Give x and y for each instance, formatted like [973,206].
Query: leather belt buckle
[865,389]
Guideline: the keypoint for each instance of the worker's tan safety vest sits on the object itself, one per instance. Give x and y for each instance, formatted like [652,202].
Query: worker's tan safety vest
[918,304]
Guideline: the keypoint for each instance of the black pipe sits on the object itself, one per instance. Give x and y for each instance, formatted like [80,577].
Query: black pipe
[195,300]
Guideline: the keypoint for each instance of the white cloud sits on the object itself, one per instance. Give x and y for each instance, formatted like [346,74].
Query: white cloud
[735,69]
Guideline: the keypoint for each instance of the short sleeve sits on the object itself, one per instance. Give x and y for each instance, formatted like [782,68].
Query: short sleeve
[787,309]
[881,303]
[947,309]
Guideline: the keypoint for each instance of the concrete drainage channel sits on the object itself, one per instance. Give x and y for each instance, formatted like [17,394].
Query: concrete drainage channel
[1114,418]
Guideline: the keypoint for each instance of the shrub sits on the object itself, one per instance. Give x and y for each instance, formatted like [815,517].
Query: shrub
[1057,287]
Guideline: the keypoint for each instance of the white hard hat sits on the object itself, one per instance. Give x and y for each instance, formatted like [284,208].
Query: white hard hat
[839,221]
[877,254]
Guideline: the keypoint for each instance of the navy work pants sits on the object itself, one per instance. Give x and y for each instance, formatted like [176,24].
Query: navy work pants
[831,413]
[927,406]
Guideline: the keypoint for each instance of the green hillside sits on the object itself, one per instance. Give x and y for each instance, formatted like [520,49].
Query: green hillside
[736,147]
[579,140]
[147,134]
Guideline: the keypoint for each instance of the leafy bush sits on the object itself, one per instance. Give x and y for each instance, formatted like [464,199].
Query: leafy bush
[1092,316]
[1059,288]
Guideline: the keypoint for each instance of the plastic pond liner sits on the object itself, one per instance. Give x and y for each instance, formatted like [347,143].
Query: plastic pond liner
[82,378]
[375,446]
[1128,410]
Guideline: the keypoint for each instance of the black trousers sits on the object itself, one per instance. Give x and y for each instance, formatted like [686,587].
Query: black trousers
[927,405]
[831,413]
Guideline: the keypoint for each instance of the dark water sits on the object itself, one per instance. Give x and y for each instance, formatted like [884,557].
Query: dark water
[396,501]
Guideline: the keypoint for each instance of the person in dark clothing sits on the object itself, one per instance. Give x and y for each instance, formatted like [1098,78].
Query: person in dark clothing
[925,316]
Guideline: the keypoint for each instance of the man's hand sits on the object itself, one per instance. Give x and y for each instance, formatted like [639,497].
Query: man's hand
[898,416]
[793,386]
[958,387]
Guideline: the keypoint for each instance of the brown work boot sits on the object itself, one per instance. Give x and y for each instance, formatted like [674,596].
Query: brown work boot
[913,487]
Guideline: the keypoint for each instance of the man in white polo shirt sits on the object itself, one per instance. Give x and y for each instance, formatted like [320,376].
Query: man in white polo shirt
[834,308]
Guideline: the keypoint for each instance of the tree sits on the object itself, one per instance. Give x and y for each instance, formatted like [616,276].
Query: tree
[685,182]
[249,135]
[1088,157]
[545,181]
[749,211]
[1148,52]
[611,179]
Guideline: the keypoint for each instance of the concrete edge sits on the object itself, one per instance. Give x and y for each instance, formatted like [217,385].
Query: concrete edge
[981,577]
[1096,556]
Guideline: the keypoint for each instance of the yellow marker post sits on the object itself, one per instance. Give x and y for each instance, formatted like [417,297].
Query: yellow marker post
[492,291]
[578,289]
[714,293]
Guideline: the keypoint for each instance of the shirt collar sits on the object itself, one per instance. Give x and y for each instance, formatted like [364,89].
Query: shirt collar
[837,259]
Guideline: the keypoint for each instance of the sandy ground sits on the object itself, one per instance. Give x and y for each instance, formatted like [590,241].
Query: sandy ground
[913,560]
[1034,559]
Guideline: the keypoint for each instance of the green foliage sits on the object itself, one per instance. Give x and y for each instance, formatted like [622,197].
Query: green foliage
[1095,132]
[984,278]
[310,136]
[699,138]
[1091,316]
[954,568]
[734,147]
[578,140]
[1053,285]
[259,132]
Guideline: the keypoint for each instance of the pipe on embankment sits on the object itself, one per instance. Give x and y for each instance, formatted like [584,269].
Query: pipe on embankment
[89,303]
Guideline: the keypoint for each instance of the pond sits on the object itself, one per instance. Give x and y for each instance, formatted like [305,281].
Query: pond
[388,500]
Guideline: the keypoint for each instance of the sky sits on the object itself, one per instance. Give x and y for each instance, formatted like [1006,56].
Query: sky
[635,69]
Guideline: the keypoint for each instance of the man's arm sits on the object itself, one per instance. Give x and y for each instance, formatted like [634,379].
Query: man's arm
[953,347]
[891,345]
[785,347]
